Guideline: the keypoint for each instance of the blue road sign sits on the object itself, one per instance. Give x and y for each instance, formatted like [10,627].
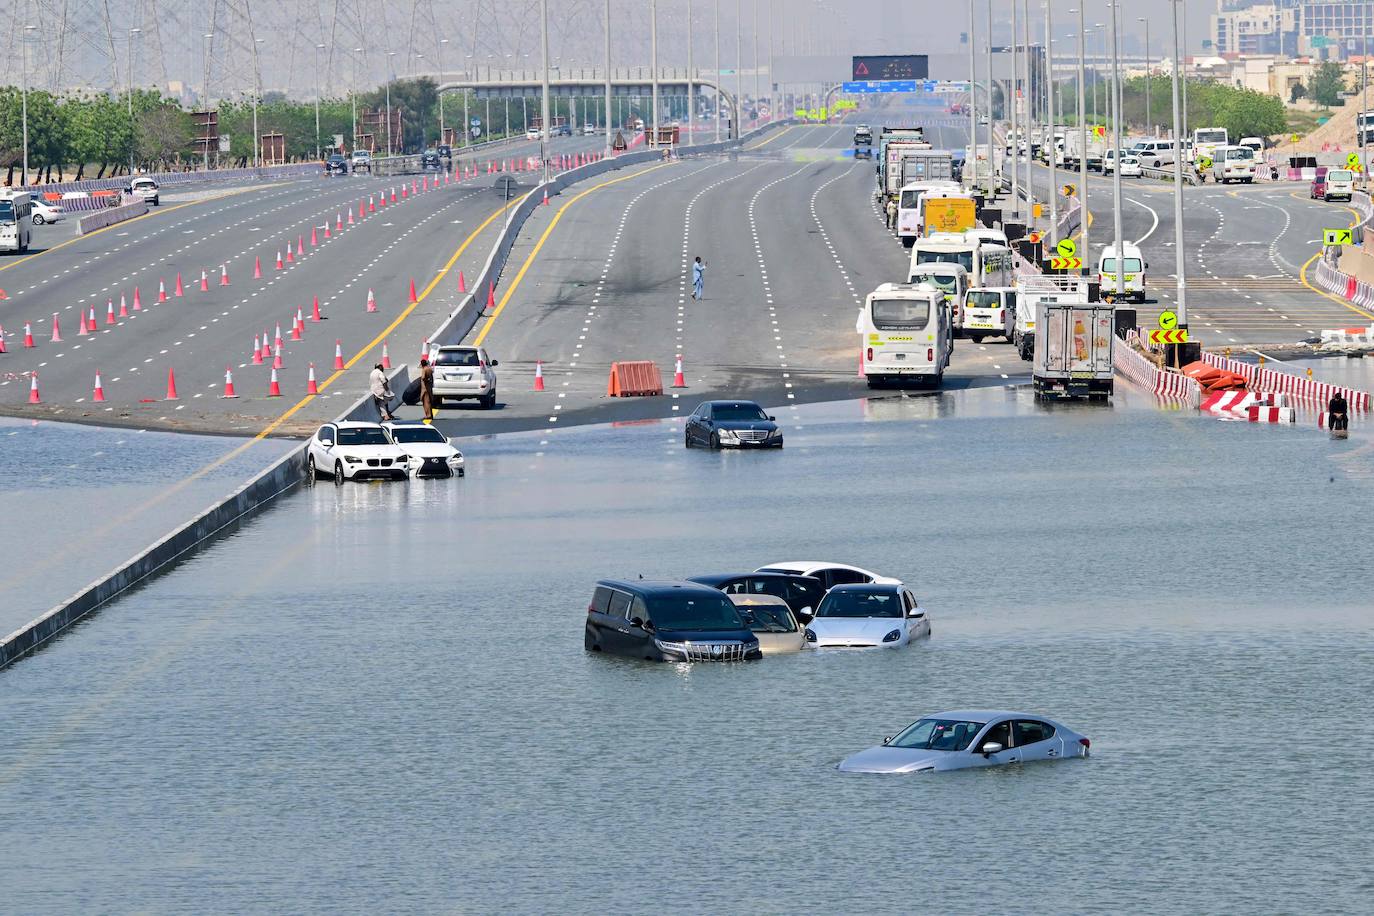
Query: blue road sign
[880,86]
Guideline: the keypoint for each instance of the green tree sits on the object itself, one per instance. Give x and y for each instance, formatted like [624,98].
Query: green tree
[1327,84]
[98,132]
[1297,92]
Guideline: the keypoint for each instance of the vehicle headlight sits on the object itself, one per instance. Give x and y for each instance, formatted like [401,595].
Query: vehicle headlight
[729,434]
[455,459]
[893,636]
[679,648]
[351,460]
[810,635]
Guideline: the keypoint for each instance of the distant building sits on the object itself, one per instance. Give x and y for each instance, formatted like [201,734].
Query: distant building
[1329,29]
[1257,29]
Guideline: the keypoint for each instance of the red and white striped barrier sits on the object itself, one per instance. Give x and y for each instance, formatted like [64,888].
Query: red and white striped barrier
[1171,385]
[1264,379]
[1259,414]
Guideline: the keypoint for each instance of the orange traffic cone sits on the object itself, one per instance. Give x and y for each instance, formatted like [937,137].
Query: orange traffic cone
[33,389]
[326,230]
[274,387]
[678,380]
[491,294]
[257,267]
[538,375]
[123,309]
[298,326]
[371,207]
[361,212]
[171,385]
[290,258]
[280,265]
[546,197]
[386,357]
[179,290]
[310,385]
[350,217]
[424,349]
[91,324]
[276,359]
[205,281]
[338,354]
[314,240]
[109,311]
[300,246]
[161,290]
[28,336]
[412,291]
[138,303]
[229,391]
[56,329]
[224,275]
[98,393]
[315,308]
[81,326]
[371,302]
[338,221]
[462,283]
[2,341]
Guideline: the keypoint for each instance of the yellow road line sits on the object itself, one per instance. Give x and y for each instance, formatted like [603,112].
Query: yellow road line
[158,212]
[772,138]
[529,260]
[1302,275]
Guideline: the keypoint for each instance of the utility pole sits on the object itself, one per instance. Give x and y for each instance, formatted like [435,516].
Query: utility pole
[653,67]
[1149,81]
[719,82]
[691,86]
[1015,98]
[1083,143]
[544,81]
[973,100]
[1029,96]
[133,134]
[757,94]
[208,107]
[319,90]
[608,78]
[25,104]
[1049,128]
[1180,262]
[440,53]
[739,68]
[992,171]
[1116,143]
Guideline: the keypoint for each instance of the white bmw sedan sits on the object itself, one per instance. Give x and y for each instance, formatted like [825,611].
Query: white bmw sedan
[355,451]
[864,616]
[431,453]
[969,738]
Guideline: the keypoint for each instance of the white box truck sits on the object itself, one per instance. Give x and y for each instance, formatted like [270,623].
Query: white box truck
[1073,350]
[1031,290]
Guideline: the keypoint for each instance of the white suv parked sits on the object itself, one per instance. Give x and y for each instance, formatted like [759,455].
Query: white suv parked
[464,372]
[355,451]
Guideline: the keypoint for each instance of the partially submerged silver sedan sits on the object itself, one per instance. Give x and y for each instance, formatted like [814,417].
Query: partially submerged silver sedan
[969,738]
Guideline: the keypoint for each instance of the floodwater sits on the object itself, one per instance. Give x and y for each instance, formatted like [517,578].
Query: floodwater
[375,697]
[76,501]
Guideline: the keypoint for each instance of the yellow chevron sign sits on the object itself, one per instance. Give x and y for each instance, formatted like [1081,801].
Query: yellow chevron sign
[1176,336]
[1066,263]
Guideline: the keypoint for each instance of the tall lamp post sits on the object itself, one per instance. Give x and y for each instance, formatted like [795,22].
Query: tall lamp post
[28,29]
[319,91]
[719,81]
[257,91]
[440,54]
[653,68]
[1082,141]
[544,86]
[1149,82]
[353,96]
[972,98]
[1049,126]
[1014,84]
[208,36]
[607,67]
[1116,145]
[133,134]
[390,75]
[1180,262]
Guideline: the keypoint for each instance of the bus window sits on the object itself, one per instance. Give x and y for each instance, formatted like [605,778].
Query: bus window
[984,299]
[900,314]
[963,258]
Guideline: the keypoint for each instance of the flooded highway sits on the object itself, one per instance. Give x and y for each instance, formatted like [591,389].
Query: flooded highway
[375,697]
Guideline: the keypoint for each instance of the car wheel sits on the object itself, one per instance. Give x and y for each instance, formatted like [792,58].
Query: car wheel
[312,473]
[489,400]
[976,338]
[686,439]
[338,474]
[38,219]
[715,440]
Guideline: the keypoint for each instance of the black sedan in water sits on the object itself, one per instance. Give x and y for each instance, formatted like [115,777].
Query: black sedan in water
[732,424]
[336,164]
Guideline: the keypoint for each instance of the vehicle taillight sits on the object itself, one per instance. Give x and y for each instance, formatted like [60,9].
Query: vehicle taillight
[1002,317]
[591,609]
[870,354]
[1085,742]
[930,354]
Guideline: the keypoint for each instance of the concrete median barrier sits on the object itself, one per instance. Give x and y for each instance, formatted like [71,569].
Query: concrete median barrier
[110,215]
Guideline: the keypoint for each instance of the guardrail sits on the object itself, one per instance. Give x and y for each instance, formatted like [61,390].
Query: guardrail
[462,319]
[1189,176]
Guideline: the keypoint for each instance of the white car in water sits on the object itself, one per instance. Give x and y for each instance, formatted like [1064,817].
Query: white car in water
[350,450]
[431,453]
[867,616]
[970,738]
[829,574]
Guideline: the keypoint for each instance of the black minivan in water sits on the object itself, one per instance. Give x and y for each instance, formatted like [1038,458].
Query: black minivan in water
[667,622]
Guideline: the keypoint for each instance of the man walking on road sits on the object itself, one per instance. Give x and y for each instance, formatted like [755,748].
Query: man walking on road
[891,215]
[381,392]
[698,278]
[427,389]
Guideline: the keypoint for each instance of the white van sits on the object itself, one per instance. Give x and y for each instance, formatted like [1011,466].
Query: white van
[950,279]
[1154,154]
[1233,163]
[905,332]
[1133,267]
[987,264]
[1254,143]
[1340,184]
[909,206]
[989,311]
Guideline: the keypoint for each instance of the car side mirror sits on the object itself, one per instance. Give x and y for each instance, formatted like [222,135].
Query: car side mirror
[771,417]
[990,748]
[887,739]
[636,622]
[495,363]
[327,443]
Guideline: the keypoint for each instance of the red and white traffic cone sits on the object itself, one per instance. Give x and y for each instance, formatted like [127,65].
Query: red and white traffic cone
[300,246]
[338,220]
[315,308]
[81,326]
[179,290]
[205,281]
[386,357]
[277,340]
[98,392]
[491,294]
[538,375]
[229,391]
[257,351]
[257,268]
[91,324]
[280,265]
[371,206]
[276,358]
[546,197]
[28,336]
[393,195]
[161,290]
[171,385]
[424,349]
[123,309]
[56,329]
[274,387]
[310,385]
[138,303]
[314,239]
[678,380]
[326,230]
[224,275]
[109,311]
[462,283]
[371,302]
[338,355]
[362,213]
[290,258]
[350,217]
[413,300]
[2,340]
[298,326]
[33,389]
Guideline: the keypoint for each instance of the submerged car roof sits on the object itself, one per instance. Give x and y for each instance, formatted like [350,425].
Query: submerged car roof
[987,715]
[658,586]
[865,587]
[717,578]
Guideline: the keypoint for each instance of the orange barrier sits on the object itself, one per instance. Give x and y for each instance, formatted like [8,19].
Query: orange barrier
[636,379]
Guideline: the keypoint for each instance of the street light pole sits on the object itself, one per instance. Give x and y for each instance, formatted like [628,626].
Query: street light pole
[544,87]
[133,134]
[739,68]
[1116,144]
[1049,126]
[973,99]
[1149,82]
[1180,262]
[25,117]
[207,37]
[390,147]
[1082,141]
[691,94]
[608,77]
[757,93]
[353,95]
[440,54]
[318,92]
[719,82]
[653,67]
[257,91]
[1015,83]
[992,171]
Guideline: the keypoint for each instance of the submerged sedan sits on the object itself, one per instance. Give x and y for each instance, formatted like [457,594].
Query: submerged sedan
[970,738]
[863,616]
[731,424]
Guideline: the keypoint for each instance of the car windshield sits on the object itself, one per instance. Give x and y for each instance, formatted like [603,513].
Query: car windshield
[362,435]
[694,612]
[1132,265]
[1340,175]
[938,735]
[1240,152]
[945,283]
[457,358]
[417,434]
[6,211]
[860,604]
[963,258]
[738,412]
[984,299]
[769,618]
[900,314]
[1210,136]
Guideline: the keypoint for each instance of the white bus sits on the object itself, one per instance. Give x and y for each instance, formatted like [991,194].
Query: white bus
[16,220]
[909,206]
[906,333]
[949,278]
[1206,140]
[987,264]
